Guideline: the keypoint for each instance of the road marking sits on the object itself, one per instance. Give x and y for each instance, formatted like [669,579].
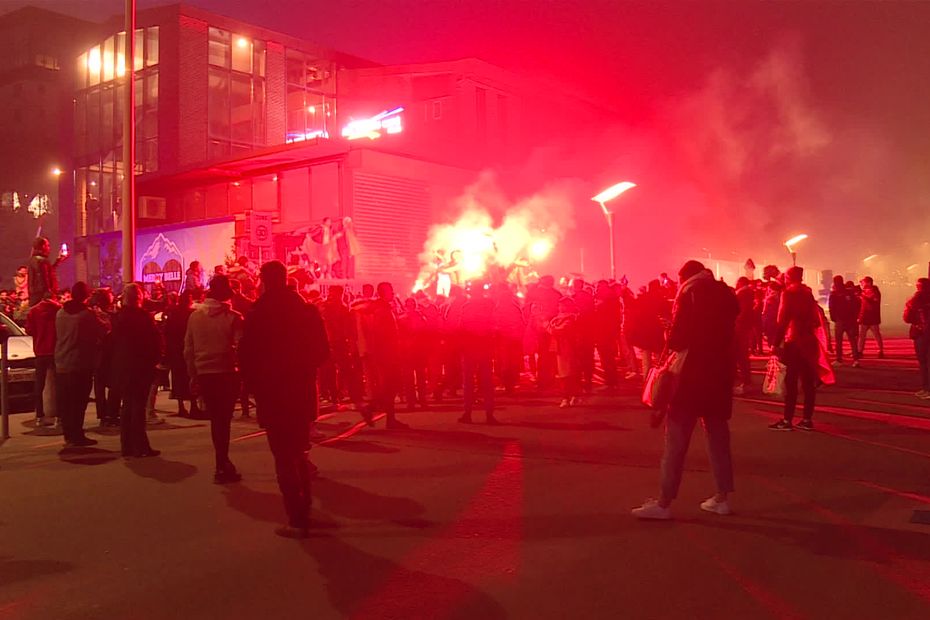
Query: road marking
[917,497]
[895,419]
[351,431]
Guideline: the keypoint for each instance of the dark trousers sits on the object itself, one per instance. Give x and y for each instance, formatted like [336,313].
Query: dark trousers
[922,348]
[414,380]
[850,330]
[133,438]
[797,367]
[510,361]
[289,443]
[45,369]
[73,392]
[607,353]
[743,343]
[384,379]
[586,362]
[480,365]
[220,392]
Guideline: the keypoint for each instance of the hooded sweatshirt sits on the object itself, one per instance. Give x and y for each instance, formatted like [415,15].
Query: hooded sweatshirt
[213,333]
[79,334]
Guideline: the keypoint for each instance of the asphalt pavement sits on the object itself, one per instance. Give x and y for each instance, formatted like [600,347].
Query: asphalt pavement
[529,519]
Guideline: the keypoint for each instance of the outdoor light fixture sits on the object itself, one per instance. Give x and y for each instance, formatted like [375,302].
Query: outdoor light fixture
[790,243]
[869,258]
[242,42]
[56,171]
[602,199]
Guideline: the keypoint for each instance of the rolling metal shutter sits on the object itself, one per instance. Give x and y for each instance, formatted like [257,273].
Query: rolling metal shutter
[392,218]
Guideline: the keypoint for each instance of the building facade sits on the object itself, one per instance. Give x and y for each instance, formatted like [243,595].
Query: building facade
[234,120]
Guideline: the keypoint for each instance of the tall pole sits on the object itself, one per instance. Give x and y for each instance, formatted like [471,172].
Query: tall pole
[613,249]
[129,149]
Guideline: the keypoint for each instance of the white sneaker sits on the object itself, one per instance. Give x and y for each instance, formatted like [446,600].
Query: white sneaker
[712,505]
[651,510]
[565,403]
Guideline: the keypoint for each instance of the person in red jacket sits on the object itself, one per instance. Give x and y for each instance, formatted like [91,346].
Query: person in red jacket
[40,324]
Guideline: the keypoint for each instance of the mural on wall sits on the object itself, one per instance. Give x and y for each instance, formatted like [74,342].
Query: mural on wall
[163,254]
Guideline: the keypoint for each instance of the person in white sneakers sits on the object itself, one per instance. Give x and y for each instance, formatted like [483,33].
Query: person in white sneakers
[703,330]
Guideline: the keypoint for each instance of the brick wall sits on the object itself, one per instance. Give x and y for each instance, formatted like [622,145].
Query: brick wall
[192,91]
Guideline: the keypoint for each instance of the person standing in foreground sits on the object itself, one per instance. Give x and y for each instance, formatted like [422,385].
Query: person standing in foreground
[703,328]
[870,315]
[283,343]
[797,345]
[40,324]
[210,342]
[79,334]
[136,350]
[917,313]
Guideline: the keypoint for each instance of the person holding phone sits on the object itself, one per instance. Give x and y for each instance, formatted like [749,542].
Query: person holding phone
[41,280]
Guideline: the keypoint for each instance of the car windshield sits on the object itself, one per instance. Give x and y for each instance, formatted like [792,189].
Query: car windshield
[15,330]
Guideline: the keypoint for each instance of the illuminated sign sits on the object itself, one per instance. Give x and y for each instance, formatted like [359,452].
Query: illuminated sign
[303,136]
[389,122]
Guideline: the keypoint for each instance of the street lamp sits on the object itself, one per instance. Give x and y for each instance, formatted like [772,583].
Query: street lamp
[790,243]
[602,199]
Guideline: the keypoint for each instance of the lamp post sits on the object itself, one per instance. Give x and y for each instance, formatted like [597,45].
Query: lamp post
[128,216]
[790,243]
[602,199]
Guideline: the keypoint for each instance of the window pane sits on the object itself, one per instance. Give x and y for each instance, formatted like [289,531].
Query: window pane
[258,61]
[121,54]
[106,118]
[139,51]
[80,124]
[108,60]
[218,104]
[94,61]
[93,121]
[82,71]
[295,70]
[151,46]
[240,100]
[219,48]
[242,54]
[218,150]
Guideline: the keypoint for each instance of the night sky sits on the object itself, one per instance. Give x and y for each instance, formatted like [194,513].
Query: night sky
[782,117]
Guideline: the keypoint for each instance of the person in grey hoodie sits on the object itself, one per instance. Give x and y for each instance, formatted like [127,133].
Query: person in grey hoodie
[79,336]
[210,343]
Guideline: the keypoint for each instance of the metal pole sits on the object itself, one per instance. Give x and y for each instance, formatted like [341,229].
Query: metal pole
[613,249]
[4,384]
[794,259]
[129,149]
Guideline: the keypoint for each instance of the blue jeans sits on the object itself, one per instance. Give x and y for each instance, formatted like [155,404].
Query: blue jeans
[678,430]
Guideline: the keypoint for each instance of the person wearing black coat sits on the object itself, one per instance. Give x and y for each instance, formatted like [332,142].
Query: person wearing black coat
[136,349]
[283,344]
[702,335]
[844,312]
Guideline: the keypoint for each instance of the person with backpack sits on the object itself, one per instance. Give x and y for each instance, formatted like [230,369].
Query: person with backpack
[917,314]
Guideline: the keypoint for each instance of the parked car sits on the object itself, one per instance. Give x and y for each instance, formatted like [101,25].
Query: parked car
[22,366]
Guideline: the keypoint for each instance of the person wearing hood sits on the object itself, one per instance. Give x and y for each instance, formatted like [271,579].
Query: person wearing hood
[211,341]
[917,314]
[79,335]
[136,349]
[797,345]
[702,336]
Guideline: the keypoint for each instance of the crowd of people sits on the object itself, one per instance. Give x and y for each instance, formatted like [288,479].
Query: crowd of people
[247,335]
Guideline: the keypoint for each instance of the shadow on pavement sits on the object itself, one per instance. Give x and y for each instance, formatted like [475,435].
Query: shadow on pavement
[368,447]
[87,456]
[23,570]
[161,469]
[356,503]
[593,425]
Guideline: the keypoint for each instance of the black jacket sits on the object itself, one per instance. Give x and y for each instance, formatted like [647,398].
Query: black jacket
[283,343]
[703,324]
[136,348]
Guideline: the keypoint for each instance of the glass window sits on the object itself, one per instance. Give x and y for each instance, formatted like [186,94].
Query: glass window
[218,104]
[240,101]
[151,46]
[242,54]
[121,54]
[82,71]
[258,112]
[219,48]
[139,50]
[108,59]
[94,62]
[258,58]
